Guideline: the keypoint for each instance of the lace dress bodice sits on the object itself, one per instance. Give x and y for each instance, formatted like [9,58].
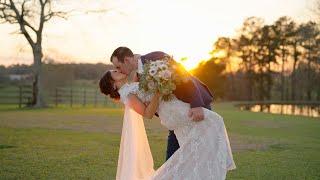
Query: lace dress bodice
[173,114]
[133,88]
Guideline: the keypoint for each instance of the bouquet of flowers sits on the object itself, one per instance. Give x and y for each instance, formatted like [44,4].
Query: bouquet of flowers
[162,76]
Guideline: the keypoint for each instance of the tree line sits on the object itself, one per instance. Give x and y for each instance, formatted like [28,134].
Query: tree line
[278,61]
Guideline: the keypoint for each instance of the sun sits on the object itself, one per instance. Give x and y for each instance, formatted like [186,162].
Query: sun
[190,63]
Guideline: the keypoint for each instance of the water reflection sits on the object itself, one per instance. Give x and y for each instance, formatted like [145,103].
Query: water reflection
[304,110]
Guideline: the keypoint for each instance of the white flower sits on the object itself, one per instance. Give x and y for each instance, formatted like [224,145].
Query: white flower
[163,67]
[158,62]
[152,72]
[154,69]
[165,74]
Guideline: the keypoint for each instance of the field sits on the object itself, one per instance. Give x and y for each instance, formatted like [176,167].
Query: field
[73,143]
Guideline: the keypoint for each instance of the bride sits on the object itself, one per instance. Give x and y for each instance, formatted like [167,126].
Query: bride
[204,152]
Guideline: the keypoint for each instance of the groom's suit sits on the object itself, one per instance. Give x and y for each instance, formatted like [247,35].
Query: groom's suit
[194,92]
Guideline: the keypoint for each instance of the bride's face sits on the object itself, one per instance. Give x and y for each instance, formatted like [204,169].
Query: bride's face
[117,77]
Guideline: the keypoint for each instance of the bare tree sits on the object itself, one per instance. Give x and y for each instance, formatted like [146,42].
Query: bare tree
[31,16]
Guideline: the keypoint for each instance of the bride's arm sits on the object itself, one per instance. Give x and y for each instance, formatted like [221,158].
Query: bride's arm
[145,110]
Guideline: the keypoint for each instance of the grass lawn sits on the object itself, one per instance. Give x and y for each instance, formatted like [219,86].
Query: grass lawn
[73,143]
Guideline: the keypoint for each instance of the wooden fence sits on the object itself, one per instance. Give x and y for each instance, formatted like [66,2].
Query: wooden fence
[22,96]
[19,95]
[79,97]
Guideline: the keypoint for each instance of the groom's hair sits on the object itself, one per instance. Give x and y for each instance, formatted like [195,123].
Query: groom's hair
[120,53]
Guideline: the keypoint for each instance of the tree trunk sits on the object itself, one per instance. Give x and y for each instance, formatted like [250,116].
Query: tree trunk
[261,88]
[250,86]
[269,73]
[37,86]
[293,78]
[282,75]
[293,75]
[269,76]
[232,95]
[309,83]
[287,89]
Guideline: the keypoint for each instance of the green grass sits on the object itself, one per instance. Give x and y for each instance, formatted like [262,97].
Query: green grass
[73,143]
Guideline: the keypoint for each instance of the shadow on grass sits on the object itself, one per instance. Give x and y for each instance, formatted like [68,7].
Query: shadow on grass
[4,146]
[279,147]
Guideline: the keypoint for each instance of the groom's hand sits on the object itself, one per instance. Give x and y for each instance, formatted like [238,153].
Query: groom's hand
[196,114]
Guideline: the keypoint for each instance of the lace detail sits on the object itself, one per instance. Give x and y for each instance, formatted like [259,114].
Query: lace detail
[204,151]
[133,88]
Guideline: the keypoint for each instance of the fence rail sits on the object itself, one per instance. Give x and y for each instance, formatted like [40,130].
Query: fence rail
[22,96]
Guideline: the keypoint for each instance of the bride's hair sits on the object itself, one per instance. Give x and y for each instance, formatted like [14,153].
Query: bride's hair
[106,84]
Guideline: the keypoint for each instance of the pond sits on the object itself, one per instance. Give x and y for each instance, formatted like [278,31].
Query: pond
[290,109]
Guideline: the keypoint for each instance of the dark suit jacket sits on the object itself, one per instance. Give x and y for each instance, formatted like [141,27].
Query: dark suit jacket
[194,91]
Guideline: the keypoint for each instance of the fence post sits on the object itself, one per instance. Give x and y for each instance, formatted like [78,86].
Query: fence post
[20,96]
[84,97]
[71,101]
[56,97]
[95,98]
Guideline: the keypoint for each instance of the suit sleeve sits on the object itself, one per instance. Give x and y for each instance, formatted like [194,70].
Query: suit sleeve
[196,100]
[190,92]
[154,56]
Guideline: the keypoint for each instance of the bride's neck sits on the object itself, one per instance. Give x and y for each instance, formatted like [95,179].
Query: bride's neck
[122,82]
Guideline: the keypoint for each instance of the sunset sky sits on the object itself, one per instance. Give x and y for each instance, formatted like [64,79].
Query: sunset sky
[183,28]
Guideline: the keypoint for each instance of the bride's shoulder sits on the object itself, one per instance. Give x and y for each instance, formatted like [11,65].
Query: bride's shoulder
[133,86]
[128,88]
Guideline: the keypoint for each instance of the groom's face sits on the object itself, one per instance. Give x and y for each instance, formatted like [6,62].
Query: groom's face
[123,67]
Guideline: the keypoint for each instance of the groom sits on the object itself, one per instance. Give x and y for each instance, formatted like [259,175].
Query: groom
[193,92]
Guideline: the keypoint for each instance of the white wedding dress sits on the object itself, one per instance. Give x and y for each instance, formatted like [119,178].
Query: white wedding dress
[204,152]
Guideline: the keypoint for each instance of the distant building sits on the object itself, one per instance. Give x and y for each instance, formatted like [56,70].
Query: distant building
[20,77]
